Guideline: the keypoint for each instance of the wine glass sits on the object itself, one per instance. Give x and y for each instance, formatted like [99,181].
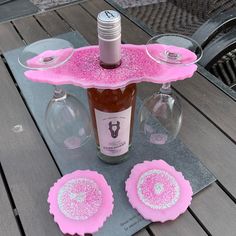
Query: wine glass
[67,120]
[160,117]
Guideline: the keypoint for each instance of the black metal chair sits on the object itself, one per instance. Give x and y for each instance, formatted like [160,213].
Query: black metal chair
[217,36]
[2,2]
[207,21]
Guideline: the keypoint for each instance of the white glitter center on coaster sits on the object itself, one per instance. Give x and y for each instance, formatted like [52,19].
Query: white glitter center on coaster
[158,189]
[79,198]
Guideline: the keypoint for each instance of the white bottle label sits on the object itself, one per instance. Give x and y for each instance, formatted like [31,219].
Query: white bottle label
[113,131]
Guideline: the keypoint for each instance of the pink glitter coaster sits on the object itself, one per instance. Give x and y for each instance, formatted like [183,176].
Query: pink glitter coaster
[83,70]
[81,202]
[157,191]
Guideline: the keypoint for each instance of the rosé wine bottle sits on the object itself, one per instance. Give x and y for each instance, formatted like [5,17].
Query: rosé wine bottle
[112,111]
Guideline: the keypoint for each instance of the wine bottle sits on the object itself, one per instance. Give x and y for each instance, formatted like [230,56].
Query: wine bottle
[112,110]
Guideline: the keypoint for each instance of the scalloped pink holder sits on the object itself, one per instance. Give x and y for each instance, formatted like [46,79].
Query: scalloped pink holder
[80,202]
[83,69]
[157,191]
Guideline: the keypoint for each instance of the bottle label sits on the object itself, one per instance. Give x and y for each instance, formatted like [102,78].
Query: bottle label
[113,131]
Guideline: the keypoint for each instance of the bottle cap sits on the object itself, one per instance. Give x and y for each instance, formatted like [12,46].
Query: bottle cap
[109,24]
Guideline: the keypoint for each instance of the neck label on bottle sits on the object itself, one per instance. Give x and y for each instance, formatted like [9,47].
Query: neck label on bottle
[113,131]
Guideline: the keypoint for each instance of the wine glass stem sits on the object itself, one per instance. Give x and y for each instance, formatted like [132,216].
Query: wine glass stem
[59,94]
[166,88]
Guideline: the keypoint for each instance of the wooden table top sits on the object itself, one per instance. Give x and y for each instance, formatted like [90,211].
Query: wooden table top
[28,170]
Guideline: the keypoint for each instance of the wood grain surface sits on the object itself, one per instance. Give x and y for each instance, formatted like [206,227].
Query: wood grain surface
[29,29]
[49,20]
[212,102]
[208,130]
[216,211]
[77,18]
[183,225]
[9,38]
[8,225]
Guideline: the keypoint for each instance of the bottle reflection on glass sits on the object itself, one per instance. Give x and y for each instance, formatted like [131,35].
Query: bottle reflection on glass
[112,110]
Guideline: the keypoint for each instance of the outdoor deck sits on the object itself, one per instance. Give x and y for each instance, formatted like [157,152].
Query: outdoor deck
[28,169]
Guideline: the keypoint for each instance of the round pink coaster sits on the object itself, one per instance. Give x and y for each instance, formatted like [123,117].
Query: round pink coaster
[80,202]
[157,191]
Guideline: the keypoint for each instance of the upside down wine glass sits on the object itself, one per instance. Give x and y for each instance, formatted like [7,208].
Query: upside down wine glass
[67,120]
[160,117]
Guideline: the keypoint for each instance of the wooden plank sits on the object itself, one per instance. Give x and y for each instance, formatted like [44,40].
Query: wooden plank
[52,23]
[211,101]
[27,163]
[94,7]
[30,29]
[216,211]
[80,20]
[9,39]
[184,225]
[142,232]
[214,149]
[8,225]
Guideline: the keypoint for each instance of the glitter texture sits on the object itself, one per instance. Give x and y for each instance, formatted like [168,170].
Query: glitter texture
[81,202]
[157,191]
[79,198]
[83,70]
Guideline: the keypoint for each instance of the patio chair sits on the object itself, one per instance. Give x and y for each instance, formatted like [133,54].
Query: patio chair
[2,2]
[178,16]
[217,36]
[203,20]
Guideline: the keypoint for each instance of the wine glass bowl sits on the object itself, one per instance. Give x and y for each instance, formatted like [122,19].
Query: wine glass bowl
[160,117]
[67,120]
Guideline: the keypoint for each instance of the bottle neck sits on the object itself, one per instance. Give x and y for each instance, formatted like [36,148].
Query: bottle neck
[110,53]
[109,38]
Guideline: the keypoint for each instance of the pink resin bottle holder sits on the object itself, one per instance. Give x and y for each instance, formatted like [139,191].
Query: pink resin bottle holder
[83,68]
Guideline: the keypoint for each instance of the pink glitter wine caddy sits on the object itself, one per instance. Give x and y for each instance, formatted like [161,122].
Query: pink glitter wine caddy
[83,68]
[81,202]
[157,191]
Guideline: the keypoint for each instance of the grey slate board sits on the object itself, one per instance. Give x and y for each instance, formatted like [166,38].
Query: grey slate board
[16,8]
[124,220]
